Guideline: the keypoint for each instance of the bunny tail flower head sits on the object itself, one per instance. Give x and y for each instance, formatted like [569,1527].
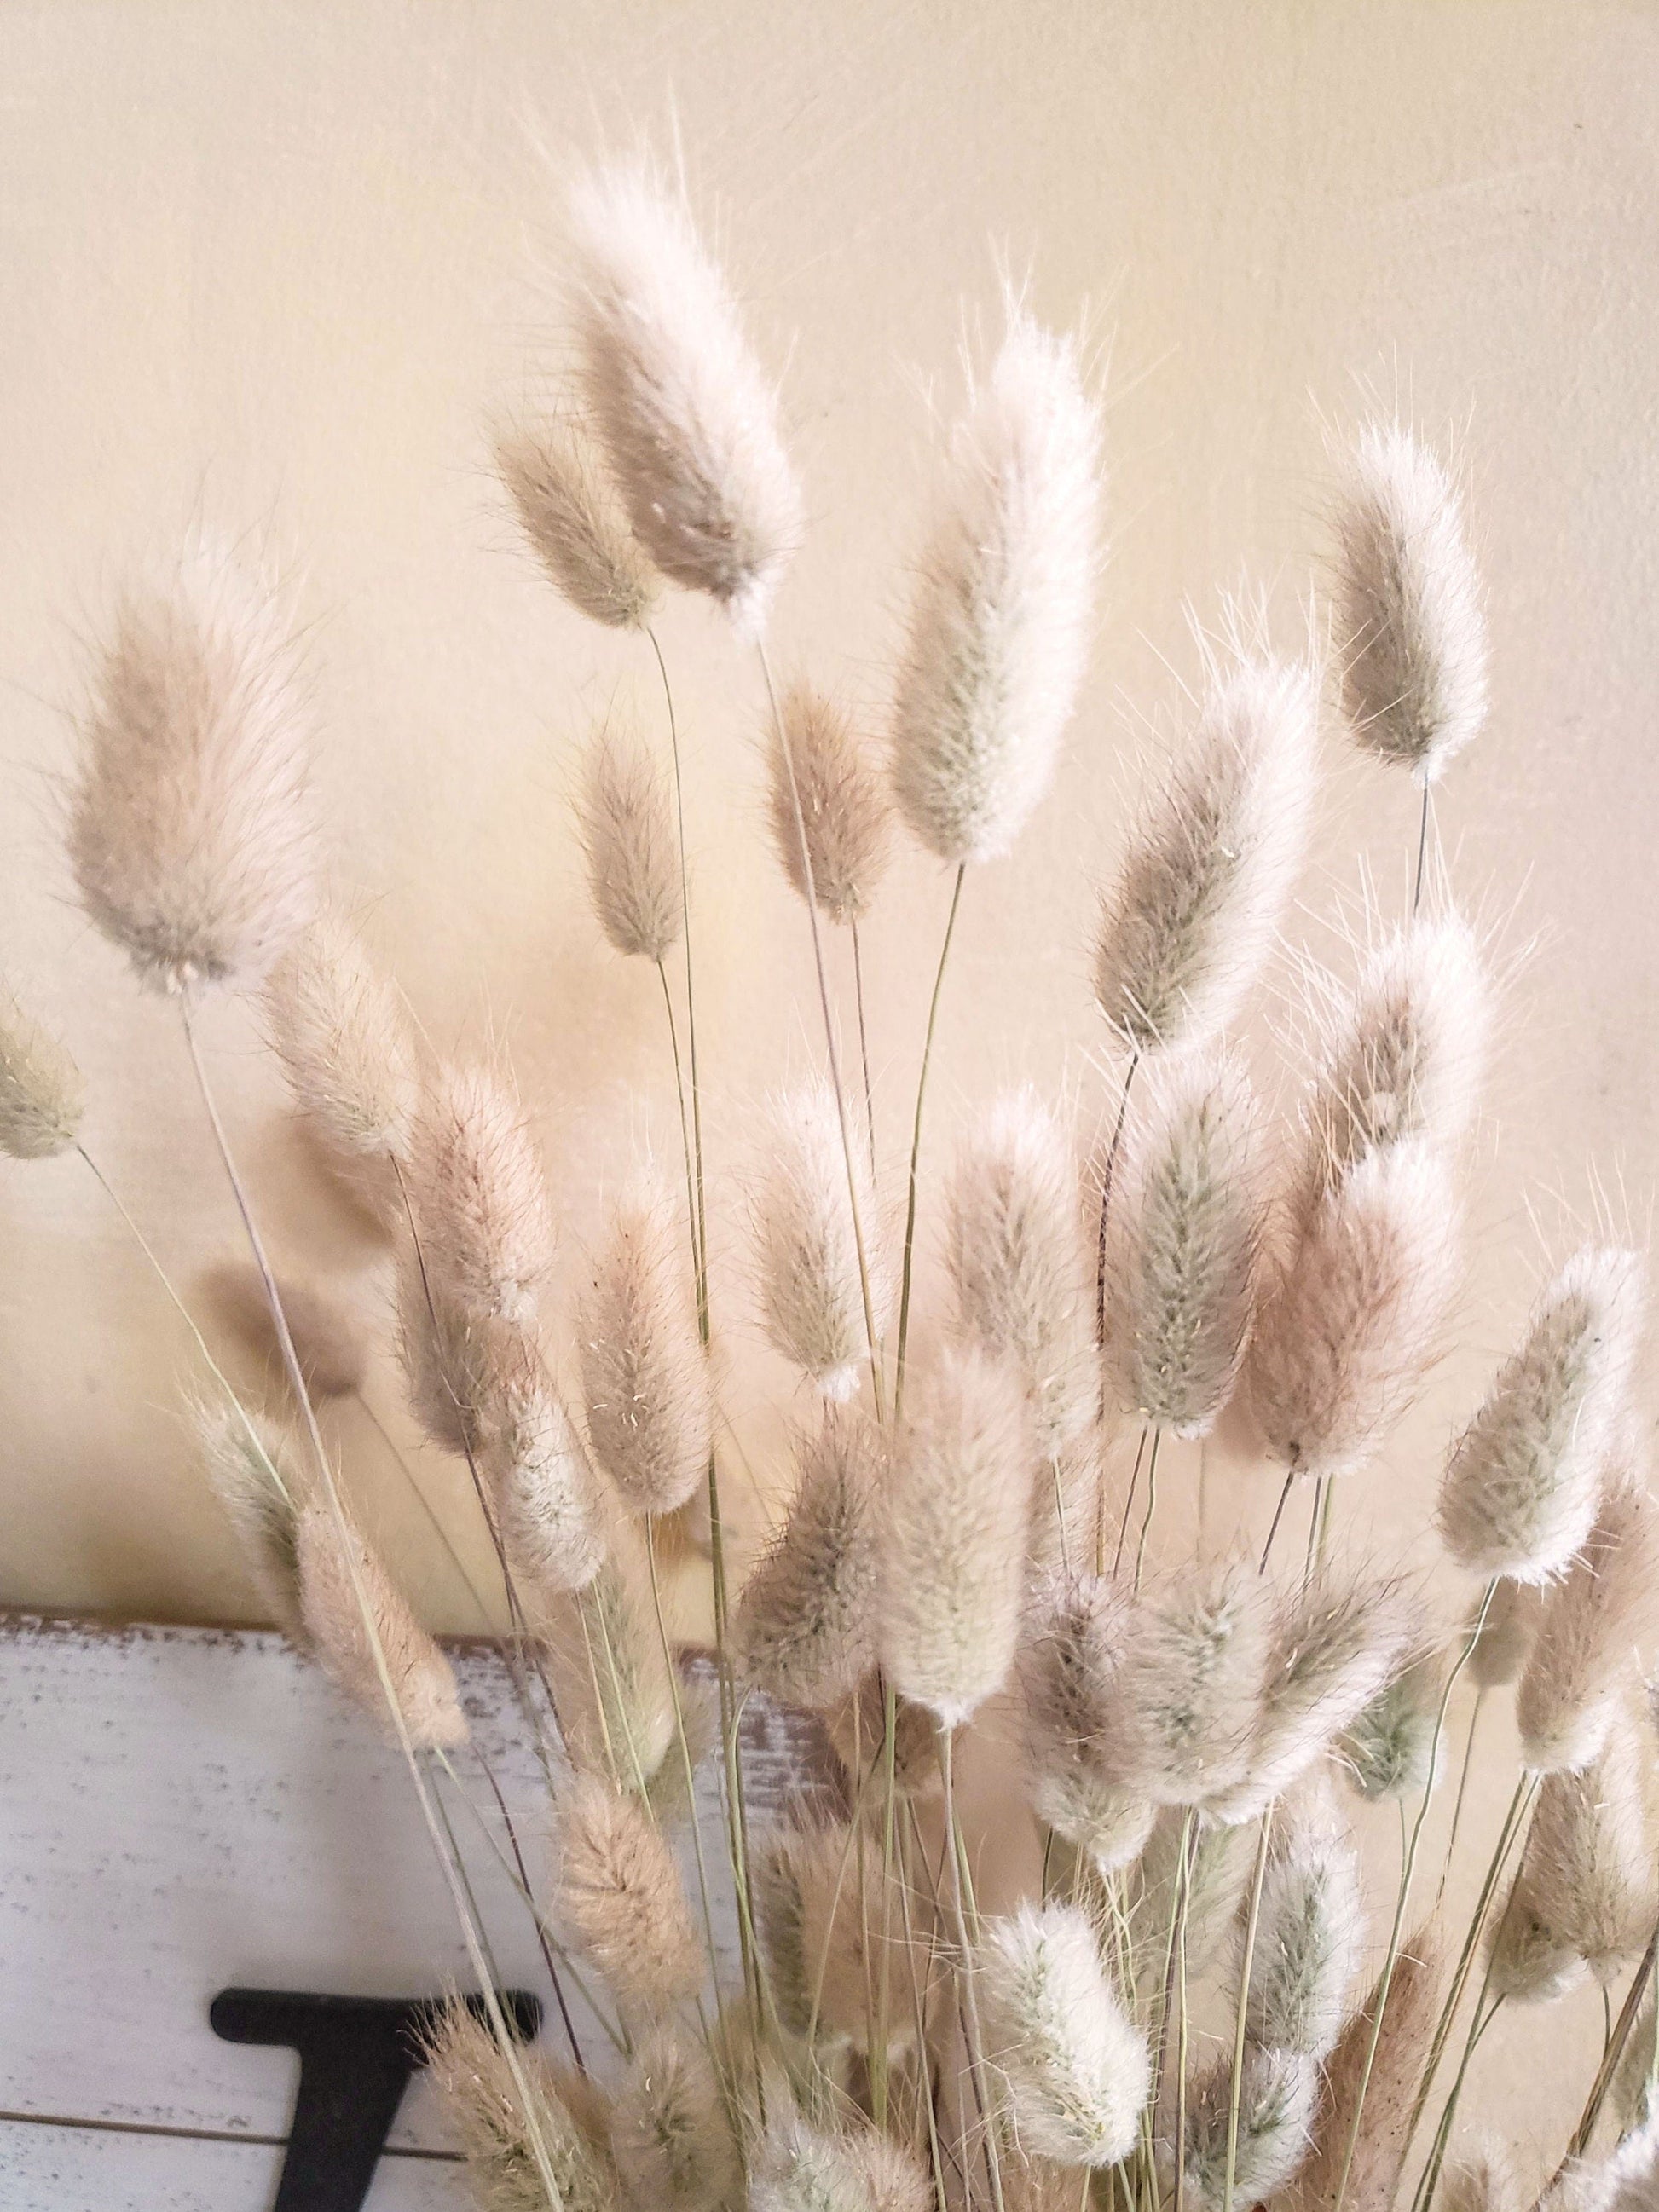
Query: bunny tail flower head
[628,836]
[1522,1485]
[250,1463]
[814,757]
[999,623]
[812,1276]
[40,1088]
[192,832]
[574,522]
[1410,635]
[687,417]
[479,1198]
[1186,926]
[368,1640]
[1588,1632]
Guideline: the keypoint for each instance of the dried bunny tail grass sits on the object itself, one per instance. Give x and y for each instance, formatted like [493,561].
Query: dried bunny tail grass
[957,1507]
[843,805]
[997,636]
[1309,1931]
[1387,2087]
[340,1031]
[1389,1748]
[1590,1873]
[671,2135]
[1183,1242]
[41,1094]
[330,1341]
[359,1621]
[645,1378]
[454,1358]
[858,1736]
[192,832]
[619,1901]
[551,1510]
[1186,928]
[1482,2180]
[1522,1487]
[806,1630]
[1354,1317]
[610,1675]
[1192,1683]
[1403,1054]
[1589,1630]
[1529,1960]
[687,417]
[807,1246]
[1074,2065]
[627,827]
[1411,639]
[1080,1741]
[807,2168]
[573,520]
[504,2143]
[479,1202]
[1338,1638]
[1278,2091]
[249,1461]
[1015,1262]
[820,1891]
[1210,1890]
[1504,1640]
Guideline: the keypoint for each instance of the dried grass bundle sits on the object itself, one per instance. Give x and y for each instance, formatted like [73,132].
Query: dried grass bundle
[645,1378]
[479,1202]
[816,761]
[619,1900]
[807,1629]
[813,1277]
[41,1094]
[1589,1876]
[573,522]
[627,825]
[367,1640]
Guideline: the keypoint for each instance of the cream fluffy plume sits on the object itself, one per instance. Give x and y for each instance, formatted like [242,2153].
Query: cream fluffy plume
[479,1202]
[1588,1630]
[843,805]
[1410,637]
[40,1088]
[1190,919]
[628,836]
[1016,1261]
[619,1901]
[573,521]
[688,418]
[1193,1684]
[551,1510]
[1277,2093]
[805,2168]
[670,2133]
[958,1506]
[1522,1487]
[350,1604]
[645,1379]
[1080,1744]
[1308,1930]
[997,636]
[478,2087]
[192,832]
[807,1249]
[807,1626]
[250,1462]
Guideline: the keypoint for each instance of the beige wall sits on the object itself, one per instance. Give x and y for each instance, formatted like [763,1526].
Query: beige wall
[275,265]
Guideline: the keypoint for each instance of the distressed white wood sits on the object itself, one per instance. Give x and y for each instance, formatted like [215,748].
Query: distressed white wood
[185,1809]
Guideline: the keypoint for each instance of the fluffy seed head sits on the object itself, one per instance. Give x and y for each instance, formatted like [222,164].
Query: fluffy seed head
[1188,924]
[1074,2064]
[455,1359]
[1389,1748]
[1482,2180]
[1411,639]
[844,805]
[1589,1628]
[619,1897]
[858,1735]
[605,1659]
[500,2133]
[1629,2180]
[645,1379]
[688,419]
[1193,1682]
[1081,1746]
[955,1539]
[1590,1872]
[803,2168]
[807,1249]
[1506,1636]
[1353,1319]
[1016,1262]
[574,522]
[1308,1932]
[549,1508]
[670,2135]
[191,833]
[479,1200]
[250,1462]
[627,828]
[41,1094]
[349,1605]
[330,1341]
[1208,1868]
[806,1628]
[999,626]
[1184,1238]
[1278,2091]
[1523,1483]
[820,1894]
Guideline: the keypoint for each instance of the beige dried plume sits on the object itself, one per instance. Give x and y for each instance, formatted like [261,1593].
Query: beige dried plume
[1188,924]
[807,1245]
[455,1358]
[671,2135]
[645,1378]
[573,520]
[191,831]
[1278,2093]
[479,1202]
[1389,1748]
[41,1094]
[619,1901]
[1192,1683]
[1409,637]
[1589,1873]
[252,1465]
[551,1512]
[1016,1263]
[999,630]
[1074,2066]
[805,2167]
[806,1630]
[820,1890]
[1079,1736]
[1354,1316]
[842,800]
[1589,1630]
[359,1621]
[1183,1239]
[500,2133]
[1523,1483]
[954,1556]
[626,821]
[686,415]
[330,1339]
[609,1676]
[1308,1930]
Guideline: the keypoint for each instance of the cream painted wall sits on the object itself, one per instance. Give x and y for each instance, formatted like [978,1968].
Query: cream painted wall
[276,266]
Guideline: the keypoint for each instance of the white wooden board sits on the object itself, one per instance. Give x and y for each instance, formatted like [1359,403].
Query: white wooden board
[182,1810]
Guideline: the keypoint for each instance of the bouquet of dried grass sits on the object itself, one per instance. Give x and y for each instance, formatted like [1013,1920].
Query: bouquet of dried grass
[1178,2012]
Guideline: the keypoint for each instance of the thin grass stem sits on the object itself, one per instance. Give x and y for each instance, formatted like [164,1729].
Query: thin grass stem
[908,1269]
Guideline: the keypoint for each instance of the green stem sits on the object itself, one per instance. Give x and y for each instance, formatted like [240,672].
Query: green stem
[916,1144]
